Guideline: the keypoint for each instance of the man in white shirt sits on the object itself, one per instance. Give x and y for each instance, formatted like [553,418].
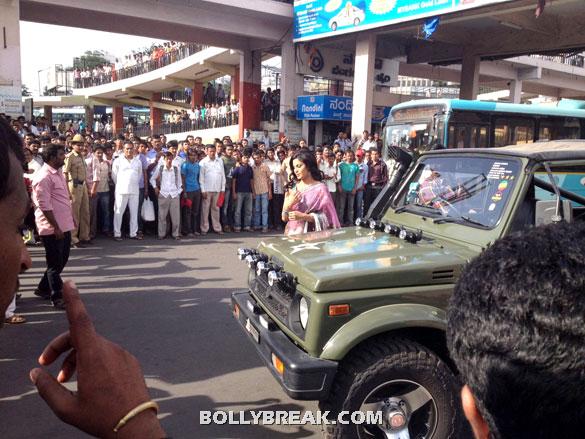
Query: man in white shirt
[212,182]
[331,173]
[167,184]
[126,171]
[370,144]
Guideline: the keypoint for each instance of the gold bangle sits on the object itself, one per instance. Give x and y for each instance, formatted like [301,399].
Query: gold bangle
[134,412]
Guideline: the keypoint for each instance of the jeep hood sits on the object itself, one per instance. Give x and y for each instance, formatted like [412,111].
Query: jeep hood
[358,258]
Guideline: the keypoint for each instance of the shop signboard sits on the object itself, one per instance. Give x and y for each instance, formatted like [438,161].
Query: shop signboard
[322,107]
[339,65]
[325,18]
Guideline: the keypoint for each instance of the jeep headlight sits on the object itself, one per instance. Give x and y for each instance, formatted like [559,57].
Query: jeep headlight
[304,312]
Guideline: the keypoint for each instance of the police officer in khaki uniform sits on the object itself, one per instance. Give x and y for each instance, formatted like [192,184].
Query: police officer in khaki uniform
[75,173]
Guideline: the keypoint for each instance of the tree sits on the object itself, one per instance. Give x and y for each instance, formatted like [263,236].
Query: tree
[25,90]
[89,59]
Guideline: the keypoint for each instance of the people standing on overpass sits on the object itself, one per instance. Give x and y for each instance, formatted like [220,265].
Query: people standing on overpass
[220,94]
[210,95]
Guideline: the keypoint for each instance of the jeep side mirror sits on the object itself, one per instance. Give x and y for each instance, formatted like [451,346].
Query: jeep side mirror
[546,212]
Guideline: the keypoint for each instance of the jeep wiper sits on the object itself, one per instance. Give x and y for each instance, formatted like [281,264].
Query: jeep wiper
[408,206]
[457,219]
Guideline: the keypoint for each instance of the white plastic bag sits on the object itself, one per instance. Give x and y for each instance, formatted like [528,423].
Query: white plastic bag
[147,210]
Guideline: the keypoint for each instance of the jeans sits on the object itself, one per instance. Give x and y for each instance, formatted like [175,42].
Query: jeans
[359,204]
[346,200]
[140,201]
[276,212]
[191,214]
[227,210]
[261,210]
[56,255]
[244,199]
[103,210]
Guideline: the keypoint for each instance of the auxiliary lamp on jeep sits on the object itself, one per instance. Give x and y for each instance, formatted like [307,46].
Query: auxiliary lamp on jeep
[245,252]
[410,236]
[280,277]
[391,229]
[264,267]
[377,225]
[362,222]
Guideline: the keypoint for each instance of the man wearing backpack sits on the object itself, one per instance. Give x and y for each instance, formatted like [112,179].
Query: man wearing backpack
[167,184]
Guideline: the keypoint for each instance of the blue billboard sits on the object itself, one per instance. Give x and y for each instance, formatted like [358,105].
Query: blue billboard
[324,108]
[324,18]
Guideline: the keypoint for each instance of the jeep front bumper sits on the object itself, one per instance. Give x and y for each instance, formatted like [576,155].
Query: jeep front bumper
[304,377]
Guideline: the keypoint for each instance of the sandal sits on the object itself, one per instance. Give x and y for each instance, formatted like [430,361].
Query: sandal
[15,319]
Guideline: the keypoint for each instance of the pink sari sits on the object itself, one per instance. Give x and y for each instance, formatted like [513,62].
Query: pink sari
[317,201]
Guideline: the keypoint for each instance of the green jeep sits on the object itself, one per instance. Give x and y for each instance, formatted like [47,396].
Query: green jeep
[355,317]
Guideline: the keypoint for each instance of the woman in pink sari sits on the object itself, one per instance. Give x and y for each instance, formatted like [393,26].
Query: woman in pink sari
[308,205]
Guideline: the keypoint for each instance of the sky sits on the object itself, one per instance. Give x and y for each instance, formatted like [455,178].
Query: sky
[43,45]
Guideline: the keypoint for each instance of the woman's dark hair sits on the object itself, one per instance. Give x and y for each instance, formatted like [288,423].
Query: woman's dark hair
[9,142]
[310,161]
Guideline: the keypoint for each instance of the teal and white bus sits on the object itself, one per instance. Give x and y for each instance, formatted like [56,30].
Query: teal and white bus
[453,123]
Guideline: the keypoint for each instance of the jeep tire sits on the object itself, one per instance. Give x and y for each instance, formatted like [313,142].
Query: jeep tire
[384,362]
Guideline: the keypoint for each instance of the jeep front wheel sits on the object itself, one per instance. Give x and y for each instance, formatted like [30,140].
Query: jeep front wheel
[415,391]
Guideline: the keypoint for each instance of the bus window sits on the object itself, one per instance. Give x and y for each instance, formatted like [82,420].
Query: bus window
[467,136]
[457,136]
[513,131]
[523,134]
[479,137]
[501,133]
[559,128]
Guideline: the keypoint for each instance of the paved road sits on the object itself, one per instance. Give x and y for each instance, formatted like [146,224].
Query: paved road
[168,303]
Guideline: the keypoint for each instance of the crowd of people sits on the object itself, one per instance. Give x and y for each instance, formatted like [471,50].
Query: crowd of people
[108,177]
[136,63]
[216,115]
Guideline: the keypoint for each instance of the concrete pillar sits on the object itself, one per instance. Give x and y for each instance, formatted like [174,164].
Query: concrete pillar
[363,83]
[118,119]
[89,113]
[235,85]
[155,113]
[305,130]
[318,132]
[516,91]
[197,94]
[48,113]
[469,87]
[10,79]
[250,80]
[291,87]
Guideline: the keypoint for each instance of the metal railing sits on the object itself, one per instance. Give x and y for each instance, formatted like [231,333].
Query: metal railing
[185,125]
[139,69]
[574,60]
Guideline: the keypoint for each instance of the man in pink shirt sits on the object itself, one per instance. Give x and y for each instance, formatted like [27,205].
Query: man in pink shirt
[54,219]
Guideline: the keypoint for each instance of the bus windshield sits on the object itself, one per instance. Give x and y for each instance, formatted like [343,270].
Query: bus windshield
[413,128]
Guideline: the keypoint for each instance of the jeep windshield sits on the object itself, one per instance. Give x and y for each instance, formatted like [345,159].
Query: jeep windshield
[459,189]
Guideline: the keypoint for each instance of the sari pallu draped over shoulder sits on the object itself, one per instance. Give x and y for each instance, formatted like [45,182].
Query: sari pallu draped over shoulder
[316,201]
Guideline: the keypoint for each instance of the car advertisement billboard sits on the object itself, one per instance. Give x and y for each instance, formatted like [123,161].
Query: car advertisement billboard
[324,18]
